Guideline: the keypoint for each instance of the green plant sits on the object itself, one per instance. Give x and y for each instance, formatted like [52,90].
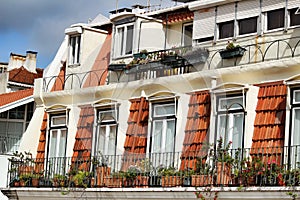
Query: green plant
[145,166]
[132,172]
[169,171]
[231,45]
[223,152]
[82,178]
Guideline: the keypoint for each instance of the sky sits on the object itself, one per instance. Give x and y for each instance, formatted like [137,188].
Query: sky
[38,25]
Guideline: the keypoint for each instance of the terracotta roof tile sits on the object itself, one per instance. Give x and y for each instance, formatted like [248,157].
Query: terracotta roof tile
[59,83]
[196,129]
[11,97]
[22,75]
[42,145]
[269,124]
[179,17]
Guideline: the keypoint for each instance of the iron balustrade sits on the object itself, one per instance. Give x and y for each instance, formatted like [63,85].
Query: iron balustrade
[188,60]
[273,166]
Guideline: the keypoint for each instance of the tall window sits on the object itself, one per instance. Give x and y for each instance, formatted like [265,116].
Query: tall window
[295,136]
[275,19]
[248,25]
[187,34]
[226,29]
[230,120]
[74,49]
[13,124]
[163,128]
[106,136]
[124,40]
[57,136]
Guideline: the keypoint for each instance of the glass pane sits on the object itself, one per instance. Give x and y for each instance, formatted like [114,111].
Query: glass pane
[15,128]
[295,18]
[3,127]
[72,49]
[101,140]
[120,41]
[53,143]
[226,29]
[62,143]
[112,140]
[232,102]
[106,115]
[296,127]
[30,110]
[237,131]
[59,120]
[248,26]
[4,115]
[129,40]
[275,19]
[157,136]
[170,133]
[188,35]
[163,110]
[221,127]
[17,113]
[296,96]
[78,38]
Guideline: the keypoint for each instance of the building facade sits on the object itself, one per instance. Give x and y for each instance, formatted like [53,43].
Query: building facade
[198,100]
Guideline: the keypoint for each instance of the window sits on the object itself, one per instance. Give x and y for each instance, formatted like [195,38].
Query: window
[13,124]
[295,136]
[294,18]
[124,40]
[275,19]
[106,136]
[226,29]
[57,136]
[230,116]
[74,49]
[248,25]
[187,34]
[163,128]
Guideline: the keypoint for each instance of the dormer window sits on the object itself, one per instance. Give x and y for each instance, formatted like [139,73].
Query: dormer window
[74,49]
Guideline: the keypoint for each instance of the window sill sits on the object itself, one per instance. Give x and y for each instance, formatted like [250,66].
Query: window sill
[74,65]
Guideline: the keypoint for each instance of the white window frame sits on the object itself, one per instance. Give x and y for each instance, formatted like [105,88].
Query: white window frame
[121,43]
[74,60]
[183,33]
[265,16]
[246,34]
[294,107]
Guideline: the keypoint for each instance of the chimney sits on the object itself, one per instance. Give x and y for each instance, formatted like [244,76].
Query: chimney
[15,61]
[30,62]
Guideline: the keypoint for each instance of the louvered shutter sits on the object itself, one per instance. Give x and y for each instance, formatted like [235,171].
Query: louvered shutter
[293,4]
[226,13]
[204,23]
[272,5]
[247,9]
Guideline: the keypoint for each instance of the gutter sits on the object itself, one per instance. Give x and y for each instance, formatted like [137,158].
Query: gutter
[16,103]
[208,4]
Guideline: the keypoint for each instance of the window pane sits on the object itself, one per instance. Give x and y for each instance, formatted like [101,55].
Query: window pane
[275,19]
[237,130]
[112,140]
[294,18]
[226,29]
[157,136]
[59,120]
[30,110]
[17,113]
[248,26]
[170,136]
[4,115]
[164,110]
[188,35]
[221,126]
[296,96]
[296,127]
[101,140]
[62,143]
[53,143]
[232,102]
[78,39]
[106,116]
[15,128]
[120,42]
[129,40]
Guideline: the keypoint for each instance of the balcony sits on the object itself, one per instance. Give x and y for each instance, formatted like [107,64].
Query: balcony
[266,167]
[177,61]
[9,144]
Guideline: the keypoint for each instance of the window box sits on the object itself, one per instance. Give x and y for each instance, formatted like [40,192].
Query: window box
[232,53]
[201,180]
[117,67]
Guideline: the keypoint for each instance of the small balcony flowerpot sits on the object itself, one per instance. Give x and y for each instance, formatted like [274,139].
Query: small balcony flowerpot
[117,67]
[113,182]
[142,181]
[102,172]
[171,181]
[232,53]
[201,180]
[223,173]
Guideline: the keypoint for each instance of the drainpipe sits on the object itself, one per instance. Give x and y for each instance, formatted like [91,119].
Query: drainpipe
[166,32]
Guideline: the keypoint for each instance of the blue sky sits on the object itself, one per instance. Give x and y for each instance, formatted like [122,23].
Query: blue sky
[38,25]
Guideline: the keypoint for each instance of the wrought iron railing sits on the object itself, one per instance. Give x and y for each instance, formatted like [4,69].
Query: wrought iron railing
[277,166]
[187,60]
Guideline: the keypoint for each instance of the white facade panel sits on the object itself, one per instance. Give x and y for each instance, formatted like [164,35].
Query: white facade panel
[204,23]
[247,9]
[272,4]
[226,13]
[293,4]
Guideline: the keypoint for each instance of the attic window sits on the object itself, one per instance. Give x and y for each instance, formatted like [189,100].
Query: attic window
[74,49]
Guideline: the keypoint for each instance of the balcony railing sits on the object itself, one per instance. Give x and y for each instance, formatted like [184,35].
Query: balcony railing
[278,166]
[187,60]
[9,144]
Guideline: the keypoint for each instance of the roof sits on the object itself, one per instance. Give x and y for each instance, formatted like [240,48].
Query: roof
[22,75]
[11,97]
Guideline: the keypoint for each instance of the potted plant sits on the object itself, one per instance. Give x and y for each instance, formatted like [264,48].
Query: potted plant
[141,55]
[115,180]
[102,169]
[131,176]
[170,177]
[35,179]
[59,180]
[25,180]
[232,51]
[82,179]
[145,166]
[224,162]
[203,174]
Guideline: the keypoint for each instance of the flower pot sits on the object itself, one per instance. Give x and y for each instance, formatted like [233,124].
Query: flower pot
[35,182]
[201,180]
[142,181]
[232,53]
[223,174]
[171,181]
[102,172]
[113,182]
[117,67]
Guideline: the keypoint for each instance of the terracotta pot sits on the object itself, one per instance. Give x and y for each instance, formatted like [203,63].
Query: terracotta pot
[113,182]
[35,182]
[201,180]
[102,172]
[223,174]
[171,181]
